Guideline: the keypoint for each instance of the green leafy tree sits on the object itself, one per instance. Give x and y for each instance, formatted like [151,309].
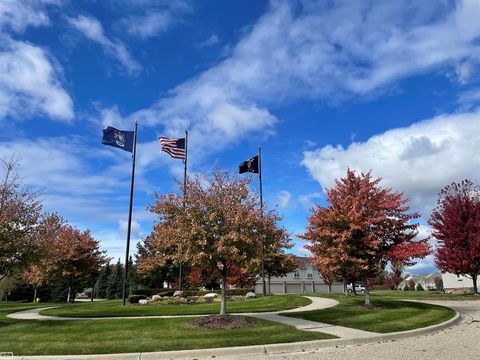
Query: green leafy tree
[115,282]
[19,214]
[102,282]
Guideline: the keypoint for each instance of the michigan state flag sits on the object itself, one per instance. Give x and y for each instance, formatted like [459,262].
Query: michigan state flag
[118,138]
[251,165]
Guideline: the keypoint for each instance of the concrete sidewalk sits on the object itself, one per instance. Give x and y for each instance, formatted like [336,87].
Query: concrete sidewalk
[347,336]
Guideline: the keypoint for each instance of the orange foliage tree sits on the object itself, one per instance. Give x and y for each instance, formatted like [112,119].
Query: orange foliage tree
[364,228]
[221,227]
[65,254]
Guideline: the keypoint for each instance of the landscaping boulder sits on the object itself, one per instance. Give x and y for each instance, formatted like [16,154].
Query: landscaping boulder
[210,296]
[250,295]
[178,293]
[156,297]
[143,302]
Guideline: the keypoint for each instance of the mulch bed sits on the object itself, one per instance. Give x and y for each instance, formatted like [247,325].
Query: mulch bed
[221,322]
[3,324]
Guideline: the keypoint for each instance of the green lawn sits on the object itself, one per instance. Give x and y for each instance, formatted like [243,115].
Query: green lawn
[134,335]
[114,307]
[389,315]
[422,295]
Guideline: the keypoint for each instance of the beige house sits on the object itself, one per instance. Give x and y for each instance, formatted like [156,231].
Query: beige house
[426,280]
[457,283]
[304,279]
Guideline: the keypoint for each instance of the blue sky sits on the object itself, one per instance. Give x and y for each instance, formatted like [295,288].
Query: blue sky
[391,86]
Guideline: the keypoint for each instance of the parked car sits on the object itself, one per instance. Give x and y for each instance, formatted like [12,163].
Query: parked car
[358,288]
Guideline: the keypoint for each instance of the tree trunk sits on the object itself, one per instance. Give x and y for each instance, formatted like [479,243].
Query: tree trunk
[353,288]
[93,289]
[474,280]
[34,294]
[269,285]
[329,288]
[68,295]
[223,306]
[345,289]
[367,292]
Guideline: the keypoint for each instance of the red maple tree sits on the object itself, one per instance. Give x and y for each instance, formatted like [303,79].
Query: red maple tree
[456,225]
[364,228]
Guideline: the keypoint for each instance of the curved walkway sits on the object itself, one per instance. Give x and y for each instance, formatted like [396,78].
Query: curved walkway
[299,350]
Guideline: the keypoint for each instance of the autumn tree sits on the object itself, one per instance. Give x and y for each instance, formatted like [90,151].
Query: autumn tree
[221,227]
[66,253]
[35,277]
[329,275]
[456,225]
[19,213]
[155,267]
[364,228]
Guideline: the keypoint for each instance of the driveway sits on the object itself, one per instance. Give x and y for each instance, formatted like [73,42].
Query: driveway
[457,342]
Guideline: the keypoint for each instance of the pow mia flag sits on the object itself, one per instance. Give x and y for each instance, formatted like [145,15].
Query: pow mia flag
[118,138]
[251,165]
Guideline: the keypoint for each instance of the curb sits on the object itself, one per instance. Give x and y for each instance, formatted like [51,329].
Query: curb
[254,349]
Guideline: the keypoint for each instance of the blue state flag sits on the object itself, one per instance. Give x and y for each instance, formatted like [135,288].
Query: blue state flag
[118,138]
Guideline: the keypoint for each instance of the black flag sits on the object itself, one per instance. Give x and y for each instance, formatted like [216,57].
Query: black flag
[251,165]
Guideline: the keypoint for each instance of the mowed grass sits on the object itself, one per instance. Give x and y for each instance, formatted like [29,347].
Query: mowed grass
[422,295]
[133,335]
[387,316]
[111,308]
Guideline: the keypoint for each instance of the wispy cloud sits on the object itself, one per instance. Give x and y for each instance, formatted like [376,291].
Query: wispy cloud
[150,19]
[93,30]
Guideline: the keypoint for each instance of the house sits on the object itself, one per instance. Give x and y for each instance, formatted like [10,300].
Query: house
[457,283]
[304,279]
[426,280]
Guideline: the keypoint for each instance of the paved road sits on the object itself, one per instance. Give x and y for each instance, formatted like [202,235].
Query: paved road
[459,342]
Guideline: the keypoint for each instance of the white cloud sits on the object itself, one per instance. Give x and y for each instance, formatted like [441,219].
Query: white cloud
[419,159]
[17,15]
[30,83]
[148,25]
[315,51]
[149,19]
[283,199]
[210,41]
[93,30]
[308,200]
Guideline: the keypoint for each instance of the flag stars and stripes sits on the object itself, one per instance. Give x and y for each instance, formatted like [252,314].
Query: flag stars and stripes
[173,147]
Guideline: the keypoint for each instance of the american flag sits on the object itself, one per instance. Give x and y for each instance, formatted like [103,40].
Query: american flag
[173,147]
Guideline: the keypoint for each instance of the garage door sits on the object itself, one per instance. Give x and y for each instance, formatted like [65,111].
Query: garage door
[294,288]
[308,288]
[276,288]
[321,288]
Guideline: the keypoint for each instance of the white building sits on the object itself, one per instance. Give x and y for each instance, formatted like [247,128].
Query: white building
[426,280]
[457,283]
[304,279]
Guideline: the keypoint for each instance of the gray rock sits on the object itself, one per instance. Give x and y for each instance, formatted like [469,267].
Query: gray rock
[178,293]
[156,297]
[210,296]
[143,302]
[250,295]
